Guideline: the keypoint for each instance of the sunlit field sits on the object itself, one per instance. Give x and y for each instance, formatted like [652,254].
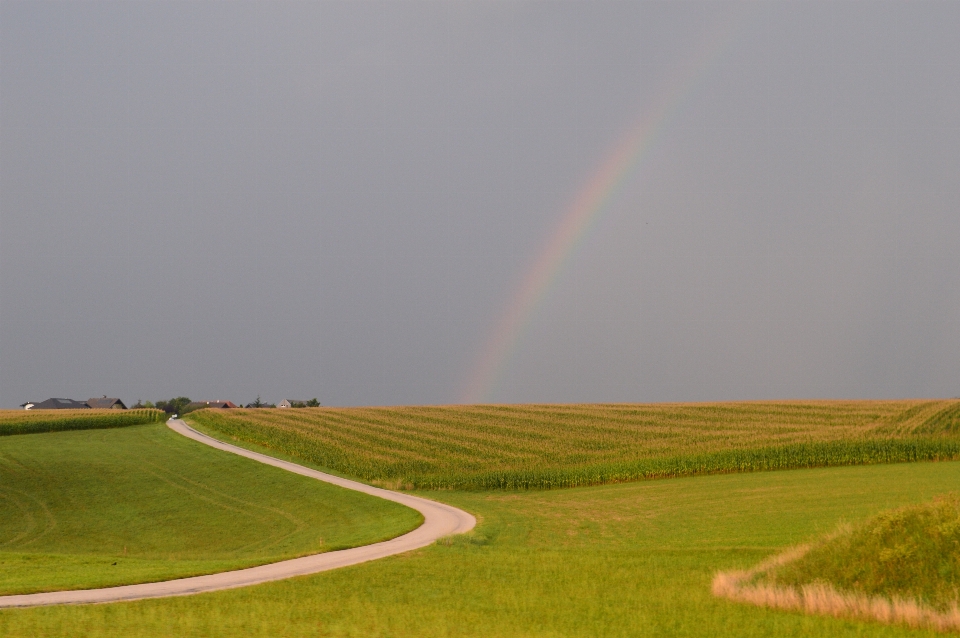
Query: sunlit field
[142,503]
[632,559]
[637,558]
[546,446]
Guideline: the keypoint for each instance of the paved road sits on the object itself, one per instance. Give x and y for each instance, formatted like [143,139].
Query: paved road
[439,520]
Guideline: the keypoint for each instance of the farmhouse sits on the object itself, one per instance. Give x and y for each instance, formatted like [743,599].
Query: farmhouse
[55,404]
[296,403]
[103,403]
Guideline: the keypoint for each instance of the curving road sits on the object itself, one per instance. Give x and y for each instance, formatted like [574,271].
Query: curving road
[438,520]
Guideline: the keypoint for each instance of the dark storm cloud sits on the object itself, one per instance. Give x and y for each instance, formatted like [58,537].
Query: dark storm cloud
[337,199]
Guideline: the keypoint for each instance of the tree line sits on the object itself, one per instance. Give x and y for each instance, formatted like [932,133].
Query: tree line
[181,405]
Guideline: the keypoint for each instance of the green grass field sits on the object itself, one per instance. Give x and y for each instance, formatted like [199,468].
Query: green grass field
[628,559]
[94,508]
[33,421]
[618,560]
[547,446]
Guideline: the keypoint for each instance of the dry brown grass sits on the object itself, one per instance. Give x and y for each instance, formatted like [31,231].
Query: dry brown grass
[824,599]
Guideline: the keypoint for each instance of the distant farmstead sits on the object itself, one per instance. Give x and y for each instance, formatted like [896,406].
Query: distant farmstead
[56,404]
[103,403]
[196,405]
[296,403]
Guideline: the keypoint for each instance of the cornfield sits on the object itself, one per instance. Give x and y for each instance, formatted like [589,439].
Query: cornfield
[548,446]
[31,421]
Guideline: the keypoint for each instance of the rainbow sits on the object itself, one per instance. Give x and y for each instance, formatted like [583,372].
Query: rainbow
[584,212]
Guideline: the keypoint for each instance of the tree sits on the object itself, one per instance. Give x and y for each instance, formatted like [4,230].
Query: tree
[173,406]
[313,403]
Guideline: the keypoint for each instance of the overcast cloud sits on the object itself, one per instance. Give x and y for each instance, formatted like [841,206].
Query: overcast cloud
[338,199]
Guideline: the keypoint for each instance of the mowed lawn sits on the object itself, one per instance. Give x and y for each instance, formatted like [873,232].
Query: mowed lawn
[81,509]
[631,559]
[548,446]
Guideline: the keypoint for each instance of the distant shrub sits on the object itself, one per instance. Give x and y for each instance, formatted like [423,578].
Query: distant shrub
[312,403]
[173,406]
[33,421]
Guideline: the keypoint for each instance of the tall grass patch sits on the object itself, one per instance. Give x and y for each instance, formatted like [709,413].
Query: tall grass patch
[911,552]
[901,566]
[33,421]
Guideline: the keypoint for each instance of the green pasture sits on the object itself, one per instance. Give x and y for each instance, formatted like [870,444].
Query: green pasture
[631,559]
[92,508]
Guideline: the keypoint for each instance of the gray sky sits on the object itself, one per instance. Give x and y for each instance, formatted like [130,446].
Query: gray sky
[340,199]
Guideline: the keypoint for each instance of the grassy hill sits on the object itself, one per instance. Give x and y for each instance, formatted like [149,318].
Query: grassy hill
[104,507]
[900,566]
[543,446]
[912,552]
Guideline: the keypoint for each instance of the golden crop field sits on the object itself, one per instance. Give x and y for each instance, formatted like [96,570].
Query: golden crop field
[29,421]
[524,446]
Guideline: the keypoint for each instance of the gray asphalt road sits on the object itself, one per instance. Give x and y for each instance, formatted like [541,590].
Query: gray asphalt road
[439,520]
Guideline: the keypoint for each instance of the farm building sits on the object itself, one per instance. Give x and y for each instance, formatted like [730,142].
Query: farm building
[103,403]
[297,403]
[55,404]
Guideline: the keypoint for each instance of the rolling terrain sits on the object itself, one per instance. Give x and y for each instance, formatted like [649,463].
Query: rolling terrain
[627,559]
[96,508]
[633,559]
[547,446]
